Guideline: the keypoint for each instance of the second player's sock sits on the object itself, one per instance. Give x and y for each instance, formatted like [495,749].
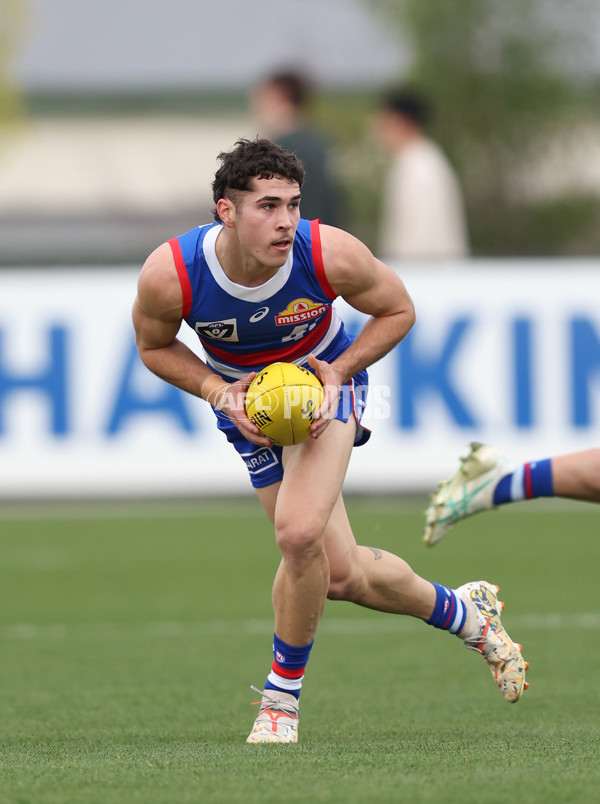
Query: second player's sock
[287,670]
[527,481]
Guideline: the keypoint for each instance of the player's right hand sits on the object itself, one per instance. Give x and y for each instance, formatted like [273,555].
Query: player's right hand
[232,402]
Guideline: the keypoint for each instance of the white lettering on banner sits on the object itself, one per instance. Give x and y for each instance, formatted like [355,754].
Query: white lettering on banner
[488,359]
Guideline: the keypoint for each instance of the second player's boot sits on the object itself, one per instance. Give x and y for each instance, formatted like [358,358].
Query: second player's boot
[469,490]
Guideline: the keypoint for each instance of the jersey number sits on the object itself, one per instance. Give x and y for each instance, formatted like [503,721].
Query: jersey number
[299,332]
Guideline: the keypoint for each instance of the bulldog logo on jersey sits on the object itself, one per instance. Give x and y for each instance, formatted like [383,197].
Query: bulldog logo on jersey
[225,330]
[300,310]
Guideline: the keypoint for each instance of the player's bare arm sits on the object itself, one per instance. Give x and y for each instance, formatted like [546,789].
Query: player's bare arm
[157,319]
[373,288]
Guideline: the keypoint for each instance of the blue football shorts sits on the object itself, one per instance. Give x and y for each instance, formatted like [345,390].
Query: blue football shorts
[264,464]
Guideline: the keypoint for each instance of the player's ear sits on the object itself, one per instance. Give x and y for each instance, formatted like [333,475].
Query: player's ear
[226,211]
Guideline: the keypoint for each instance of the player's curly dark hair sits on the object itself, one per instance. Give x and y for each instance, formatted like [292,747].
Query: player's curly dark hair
[253,159]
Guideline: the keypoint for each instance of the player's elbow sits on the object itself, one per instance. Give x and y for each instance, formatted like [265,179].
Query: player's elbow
[406,320]
[147,358]
[143,352]
[148,354]
[411,317]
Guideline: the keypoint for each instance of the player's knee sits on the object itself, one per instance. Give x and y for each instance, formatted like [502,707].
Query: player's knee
[299,540]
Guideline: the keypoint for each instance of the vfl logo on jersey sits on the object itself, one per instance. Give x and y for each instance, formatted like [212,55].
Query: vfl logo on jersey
[300,310]
[225,330]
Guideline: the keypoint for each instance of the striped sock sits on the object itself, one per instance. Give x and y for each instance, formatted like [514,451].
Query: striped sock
[528,480]
[449,612]
[287,670]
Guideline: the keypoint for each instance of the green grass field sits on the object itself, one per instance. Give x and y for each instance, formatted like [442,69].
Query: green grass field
[130,634]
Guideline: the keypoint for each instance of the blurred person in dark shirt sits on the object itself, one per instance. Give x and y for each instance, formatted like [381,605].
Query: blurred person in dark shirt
[280,104]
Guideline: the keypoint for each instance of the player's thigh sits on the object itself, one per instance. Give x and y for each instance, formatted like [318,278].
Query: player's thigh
[268,498]
[313,475]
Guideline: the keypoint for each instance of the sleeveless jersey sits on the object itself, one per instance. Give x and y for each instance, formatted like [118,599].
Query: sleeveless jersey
[243,329]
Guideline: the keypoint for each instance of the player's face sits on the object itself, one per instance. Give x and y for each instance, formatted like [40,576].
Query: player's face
[266,220]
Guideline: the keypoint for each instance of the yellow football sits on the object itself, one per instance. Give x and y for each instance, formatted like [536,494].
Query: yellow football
[282,401]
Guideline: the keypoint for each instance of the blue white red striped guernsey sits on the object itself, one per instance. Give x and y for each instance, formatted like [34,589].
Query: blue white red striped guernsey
[243,329]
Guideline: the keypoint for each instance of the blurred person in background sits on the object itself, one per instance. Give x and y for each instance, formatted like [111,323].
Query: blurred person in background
[280,104]
[423,212]
[486,479]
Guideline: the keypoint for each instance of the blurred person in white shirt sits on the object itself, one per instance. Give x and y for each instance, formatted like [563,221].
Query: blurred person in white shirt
[423,211]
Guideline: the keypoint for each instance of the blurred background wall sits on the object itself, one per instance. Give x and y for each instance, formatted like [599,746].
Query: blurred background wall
[120,108]
[112,113]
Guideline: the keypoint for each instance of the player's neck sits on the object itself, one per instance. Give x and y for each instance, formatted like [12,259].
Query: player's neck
[239,266]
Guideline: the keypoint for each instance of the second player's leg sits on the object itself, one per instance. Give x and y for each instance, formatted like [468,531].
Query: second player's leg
[577,475]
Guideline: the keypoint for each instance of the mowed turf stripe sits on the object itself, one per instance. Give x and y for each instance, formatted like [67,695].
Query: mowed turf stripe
[28,631]
[241,506]
[68,511]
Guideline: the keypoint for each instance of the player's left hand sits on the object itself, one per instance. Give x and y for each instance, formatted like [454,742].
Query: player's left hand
[331,381]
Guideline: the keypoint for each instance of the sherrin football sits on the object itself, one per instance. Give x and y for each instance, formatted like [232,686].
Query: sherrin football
[282,401]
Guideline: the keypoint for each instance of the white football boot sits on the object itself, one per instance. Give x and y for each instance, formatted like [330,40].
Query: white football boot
[277,720]
[491,640]
[468,491]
